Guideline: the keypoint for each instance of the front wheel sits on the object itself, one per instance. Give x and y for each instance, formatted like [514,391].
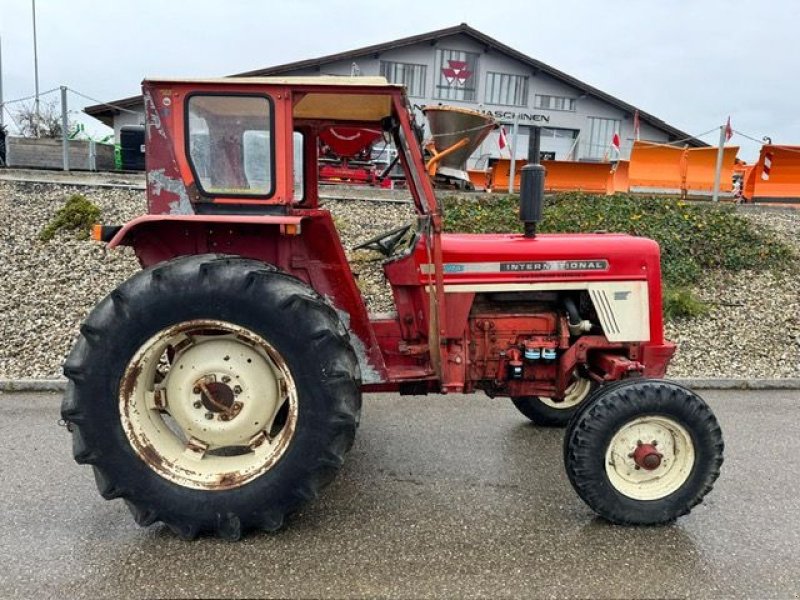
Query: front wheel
[643,452]
[213,393]
[549,412]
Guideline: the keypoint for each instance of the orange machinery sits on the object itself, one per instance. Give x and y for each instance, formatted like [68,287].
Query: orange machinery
[775,177]
[562,176]
[658,168]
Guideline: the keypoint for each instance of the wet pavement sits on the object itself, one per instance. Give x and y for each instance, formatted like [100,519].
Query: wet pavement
[440,496]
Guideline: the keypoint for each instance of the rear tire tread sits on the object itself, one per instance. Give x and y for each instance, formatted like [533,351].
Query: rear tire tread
[331,339]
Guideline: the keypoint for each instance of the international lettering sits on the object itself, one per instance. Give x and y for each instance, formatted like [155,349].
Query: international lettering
[569,265]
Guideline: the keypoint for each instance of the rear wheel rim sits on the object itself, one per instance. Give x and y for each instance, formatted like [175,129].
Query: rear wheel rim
[632,476]
[208,404]
[576,392]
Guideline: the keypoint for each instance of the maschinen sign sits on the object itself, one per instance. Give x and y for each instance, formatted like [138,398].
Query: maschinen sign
[508,115]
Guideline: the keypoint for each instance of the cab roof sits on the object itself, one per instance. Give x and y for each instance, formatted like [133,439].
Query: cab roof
[323,101]
[320,80]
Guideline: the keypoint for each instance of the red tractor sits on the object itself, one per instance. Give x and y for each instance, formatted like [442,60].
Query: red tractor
[219,389]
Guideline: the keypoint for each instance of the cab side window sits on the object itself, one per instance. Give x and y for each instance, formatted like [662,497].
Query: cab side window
[231,147]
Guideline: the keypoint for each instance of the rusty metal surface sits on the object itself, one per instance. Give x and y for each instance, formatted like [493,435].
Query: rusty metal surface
[469,502]
[167,192]
[131,399]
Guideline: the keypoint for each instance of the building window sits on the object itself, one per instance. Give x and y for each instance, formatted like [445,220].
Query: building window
[230,144]
[554,102]
[559,142]
[502,88]
[410,75]
[457,75]
[601,134]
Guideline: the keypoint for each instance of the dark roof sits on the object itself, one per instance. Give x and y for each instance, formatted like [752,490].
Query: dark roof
[105,112]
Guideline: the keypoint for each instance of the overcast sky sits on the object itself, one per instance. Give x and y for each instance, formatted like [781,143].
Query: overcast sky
[690,62]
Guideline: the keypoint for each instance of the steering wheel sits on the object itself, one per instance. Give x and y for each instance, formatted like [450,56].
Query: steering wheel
[385,243]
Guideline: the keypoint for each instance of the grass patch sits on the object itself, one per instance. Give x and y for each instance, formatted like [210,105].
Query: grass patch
[695,238]
[680,302]
[78,215]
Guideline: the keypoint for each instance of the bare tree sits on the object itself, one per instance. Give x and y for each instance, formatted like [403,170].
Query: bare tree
[46,124]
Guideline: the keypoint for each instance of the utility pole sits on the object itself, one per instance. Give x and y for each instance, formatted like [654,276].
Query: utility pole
[64,132]
[718,172]
[35,69]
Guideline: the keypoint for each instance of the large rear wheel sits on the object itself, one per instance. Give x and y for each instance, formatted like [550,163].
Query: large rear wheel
[643,452]
[212,393]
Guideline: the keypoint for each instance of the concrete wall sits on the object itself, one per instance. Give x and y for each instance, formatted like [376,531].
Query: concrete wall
[44,153]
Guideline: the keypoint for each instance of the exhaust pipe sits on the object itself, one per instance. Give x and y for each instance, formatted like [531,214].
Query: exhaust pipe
[531,186]
[531,197]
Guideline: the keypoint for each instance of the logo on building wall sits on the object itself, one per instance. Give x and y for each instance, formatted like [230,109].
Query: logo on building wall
[508,116]
[456,72]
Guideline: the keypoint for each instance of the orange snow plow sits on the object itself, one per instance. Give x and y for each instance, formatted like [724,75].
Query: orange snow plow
[661,169]
[561,176]
[775,177]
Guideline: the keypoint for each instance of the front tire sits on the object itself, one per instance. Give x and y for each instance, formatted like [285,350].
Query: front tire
[548,412]
[643,452]
[213,393]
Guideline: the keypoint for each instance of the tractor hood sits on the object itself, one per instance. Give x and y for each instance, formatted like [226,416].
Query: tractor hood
[469,258]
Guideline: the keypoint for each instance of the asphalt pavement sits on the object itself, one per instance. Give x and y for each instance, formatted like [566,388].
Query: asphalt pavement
[440,497]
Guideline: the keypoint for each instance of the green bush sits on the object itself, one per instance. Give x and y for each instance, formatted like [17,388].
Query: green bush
[680,303]
[78,214]
[695,238]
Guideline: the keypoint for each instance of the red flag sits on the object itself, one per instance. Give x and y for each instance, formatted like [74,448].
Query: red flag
[636,125]
[501,140]
[615,143]
[728,130]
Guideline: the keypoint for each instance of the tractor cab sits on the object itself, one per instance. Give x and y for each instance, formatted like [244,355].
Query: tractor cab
[251,145]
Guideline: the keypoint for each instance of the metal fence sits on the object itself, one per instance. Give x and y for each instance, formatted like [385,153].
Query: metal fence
[47,152]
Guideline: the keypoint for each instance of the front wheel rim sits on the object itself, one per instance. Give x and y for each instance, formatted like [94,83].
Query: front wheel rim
[650,458]
[576,392]
[208,404]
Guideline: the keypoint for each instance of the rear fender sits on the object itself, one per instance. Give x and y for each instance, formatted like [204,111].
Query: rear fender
[306,246]
[156,238]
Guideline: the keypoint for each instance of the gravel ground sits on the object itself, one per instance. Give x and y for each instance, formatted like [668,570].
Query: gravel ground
[48,288]
[752,330]
[753,327]
[357,221]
